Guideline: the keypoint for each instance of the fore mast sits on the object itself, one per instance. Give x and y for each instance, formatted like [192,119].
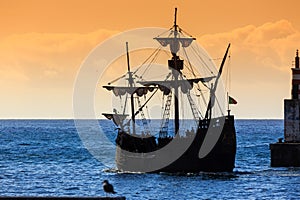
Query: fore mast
[175,64]
[131,84]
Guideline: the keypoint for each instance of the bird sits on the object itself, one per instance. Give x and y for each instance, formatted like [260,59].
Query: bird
[107,187]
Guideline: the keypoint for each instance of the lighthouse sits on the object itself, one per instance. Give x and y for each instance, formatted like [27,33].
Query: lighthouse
[296,78]
[286,153]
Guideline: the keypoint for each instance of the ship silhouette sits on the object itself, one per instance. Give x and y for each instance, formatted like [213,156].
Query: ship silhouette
[209,142]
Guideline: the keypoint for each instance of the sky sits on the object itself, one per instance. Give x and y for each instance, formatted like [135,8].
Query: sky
[43,44]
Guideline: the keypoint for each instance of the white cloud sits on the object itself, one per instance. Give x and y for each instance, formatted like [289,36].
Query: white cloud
[261,60]
[37,72]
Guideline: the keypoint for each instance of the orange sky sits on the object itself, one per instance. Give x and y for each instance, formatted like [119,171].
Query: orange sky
[42,44]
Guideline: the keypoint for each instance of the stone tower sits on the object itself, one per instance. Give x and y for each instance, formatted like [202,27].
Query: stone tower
[287,153]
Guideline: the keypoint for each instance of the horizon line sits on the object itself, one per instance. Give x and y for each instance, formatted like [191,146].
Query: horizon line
[107,119]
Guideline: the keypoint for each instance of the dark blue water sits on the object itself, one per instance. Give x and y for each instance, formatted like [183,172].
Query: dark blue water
[47,158]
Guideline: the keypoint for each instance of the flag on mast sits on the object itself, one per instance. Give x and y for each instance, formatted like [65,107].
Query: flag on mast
[231,100]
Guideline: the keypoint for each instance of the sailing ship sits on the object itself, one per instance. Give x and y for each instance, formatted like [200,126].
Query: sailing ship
[209,142]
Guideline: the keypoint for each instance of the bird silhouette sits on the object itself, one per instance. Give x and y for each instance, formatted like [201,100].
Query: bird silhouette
[107,187]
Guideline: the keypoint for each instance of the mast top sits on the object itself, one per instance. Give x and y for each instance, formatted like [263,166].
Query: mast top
[130,78]
[127,51]
[177,39]
[175,20]
[297,63]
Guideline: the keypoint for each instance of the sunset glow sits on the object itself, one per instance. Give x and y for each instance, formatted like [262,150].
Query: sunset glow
[43,43]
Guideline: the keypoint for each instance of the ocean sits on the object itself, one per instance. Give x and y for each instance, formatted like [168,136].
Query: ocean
[48,158]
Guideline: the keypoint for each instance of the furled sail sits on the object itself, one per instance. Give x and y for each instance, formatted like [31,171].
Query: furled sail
[185,42]
[185,85]
[117,118]
[174,42]
[120,91]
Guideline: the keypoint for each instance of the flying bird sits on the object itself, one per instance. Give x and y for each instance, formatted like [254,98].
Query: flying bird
[107,187]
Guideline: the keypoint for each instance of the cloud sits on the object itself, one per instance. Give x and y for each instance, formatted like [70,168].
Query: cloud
[261,58]
[270,44]
[44,57]
[37,72]
[38,67]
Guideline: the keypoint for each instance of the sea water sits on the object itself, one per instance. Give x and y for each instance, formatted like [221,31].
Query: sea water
[48,158]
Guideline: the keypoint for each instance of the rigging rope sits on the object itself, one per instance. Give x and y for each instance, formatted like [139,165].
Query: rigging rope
[165,32]
[117,79]
[183,31]
[153,53]
[201,59]
[144,120]
[198,86]
[218,103]
[148,114]
[166,115]
[148,66]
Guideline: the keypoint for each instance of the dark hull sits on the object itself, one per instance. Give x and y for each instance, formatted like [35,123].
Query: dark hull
[221,158]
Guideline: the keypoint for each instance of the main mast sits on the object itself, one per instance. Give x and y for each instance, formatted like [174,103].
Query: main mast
[175,64]
[175,72]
